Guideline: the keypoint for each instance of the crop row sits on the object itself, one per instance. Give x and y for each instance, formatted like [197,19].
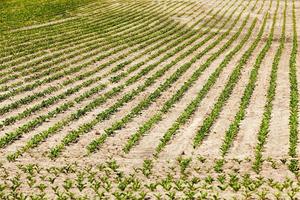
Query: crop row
[30,98]
[91,29]
[88,26]
[294,97]
[141,106]
[179,93]
[34,33]
[59,75]
[226,92]
[190,109]
[146,37]
[155,31]
[265,123]
[42,42]
[105,45]
[98,15]
[72,29]
[127,97]
[47,10]
[120,66]
[81,77]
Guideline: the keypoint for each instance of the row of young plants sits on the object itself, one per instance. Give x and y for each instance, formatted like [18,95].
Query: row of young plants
[99,14]
[126,98]
[42,105]
[117,89]
[147,102]
[190,33]
[108,43]
[23,37]
[63,66]
[265,123]
[187,178]
[145,128]
[85,14]
[69,38]
[226,92]
[24,16]
[29,99]
[88,27]
[52,100]
[91,28]
[153,35]
[119,67]
[31,77]
[23,101]
[87,24]
[136,110]
[7,36]
[294,97]
[95,28]
[65,72]
[163,29]
[192,106]
[91,31]
[48,102]
[13,135]
[180,48]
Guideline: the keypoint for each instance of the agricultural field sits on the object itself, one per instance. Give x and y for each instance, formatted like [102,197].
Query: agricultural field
[149,99]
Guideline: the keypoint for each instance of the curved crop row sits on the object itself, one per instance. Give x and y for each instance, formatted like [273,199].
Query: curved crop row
[179,93]
[6,87]
[58,75]
[107,44]
[146,37]
[146,103]
[109,22]
[25,50]
[127,97]
[100,16]
[120,66]
[130,96]
[191,108]
[265,123]
[226,92]
[294,98]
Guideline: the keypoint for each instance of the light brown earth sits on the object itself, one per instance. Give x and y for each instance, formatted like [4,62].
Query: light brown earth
[275,179]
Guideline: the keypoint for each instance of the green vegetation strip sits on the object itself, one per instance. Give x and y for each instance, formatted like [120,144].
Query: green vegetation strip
[16,14]
[113,11]
[147,102]
[264,127]
[73,135]
[49,90]
[67,54]
[191,108]
[36,76]
[179,94]
[67,71]
[40,137]
[294,98]
[52,100]
[119,18]
[233,79]
[111,24]
[167,26]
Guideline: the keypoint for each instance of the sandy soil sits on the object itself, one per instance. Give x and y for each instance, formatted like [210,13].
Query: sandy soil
[205,158]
